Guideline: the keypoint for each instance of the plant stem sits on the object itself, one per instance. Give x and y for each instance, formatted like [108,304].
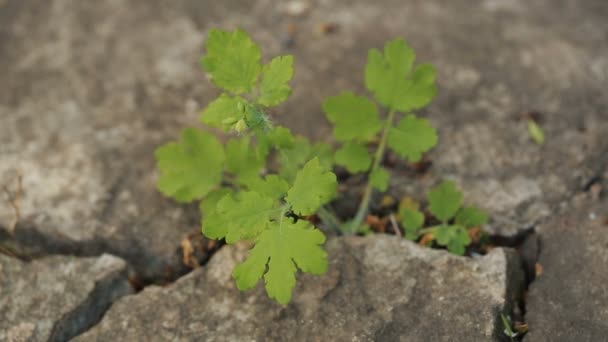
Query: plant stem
[367,194]
[329,218]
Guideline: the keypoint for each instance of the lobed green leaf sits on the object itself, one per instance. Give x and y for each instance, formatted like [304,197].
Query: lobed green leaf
[470,217]
[277,255]
[313,187]
[444,200]
[455,238]
[412,137]
[236,218]
[192,167]
[354,117]
[224,111]
[412,221]
[380,178]
[232,60]
[276,75]
[354,157]
[394,80]
[241,162]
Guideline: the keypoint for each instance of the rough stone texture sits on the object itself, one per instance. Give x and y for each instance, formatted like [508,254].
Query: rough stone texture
[377,289]
[90,89]
[56,298]
[569,301]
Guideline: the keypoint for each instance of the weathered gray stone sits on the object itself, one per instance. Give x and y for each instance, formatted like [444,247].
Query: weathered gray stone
[56,298]
[569,301]
[88,95]
[378,288]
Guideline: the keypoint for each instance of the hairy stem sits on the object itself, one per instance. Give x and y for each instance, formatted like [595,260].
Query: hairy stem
[367,194]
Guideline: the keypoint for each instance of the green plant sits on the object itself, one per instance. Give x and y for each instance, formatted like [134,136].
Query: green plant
[399,86]
[244,196]
[452,232]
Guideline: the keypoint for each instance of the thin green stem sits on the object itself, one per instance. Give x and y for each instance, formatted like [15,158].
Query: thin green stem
[367,194]
[329,218]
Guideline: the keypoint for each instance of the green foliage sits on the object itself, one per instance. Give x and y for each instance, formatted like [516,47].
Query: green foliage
[471,217]
[293,159]
[282,246]
[412,137]
[224,112]
[278,253]
[394,80]
[355,118]
[192,167]
[276,76]
[454,237]
[354,157]
[412,221]
[445,204]
[379,179]
[536,132]
[232,60]
[313,187]
[239,217]
[240,162]
[445,200]
[243,196]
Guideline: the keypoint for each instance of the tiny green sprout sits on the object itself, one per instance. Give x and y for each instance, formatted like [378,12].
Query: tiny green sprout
[506,322]
[536,132]
[445,203]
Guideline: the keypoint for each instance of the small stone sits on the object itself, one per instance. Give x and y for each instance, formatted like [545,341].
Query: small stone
[56,298]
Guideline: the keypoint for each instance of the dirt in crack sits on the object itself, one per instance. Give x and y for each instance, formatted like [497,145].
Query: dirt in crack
[527,243]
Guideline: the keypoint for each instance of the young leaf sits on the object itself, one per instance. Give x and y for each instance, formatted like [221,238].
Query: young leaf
[412,137]
[354,117]
[232,60]
[292,159]
[395,82]
[412,221]
[455,238]
[241,162]
[470,217]
[536,132]
[209,203]
[355,157]
[272,186]
[275,77]
[238,218]
[313,187]
[192,167]
[224,111]
[380,179]
[278,253]
[278,137]
[445,200]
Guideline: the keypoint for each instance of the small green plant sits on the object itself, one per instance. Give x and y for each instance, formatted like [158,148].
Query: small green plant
[399,86]
[263,182]
[452,232]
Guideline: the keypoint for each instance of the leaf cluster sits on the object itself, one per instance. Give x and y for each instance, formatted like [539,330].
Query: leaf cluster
[239,199]
[398,85]
[445,204]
